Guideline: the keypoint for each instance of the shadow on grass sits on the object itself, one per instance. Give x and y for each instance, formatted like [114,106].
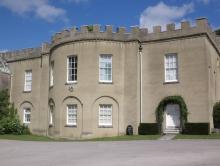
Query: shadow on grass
[48,139]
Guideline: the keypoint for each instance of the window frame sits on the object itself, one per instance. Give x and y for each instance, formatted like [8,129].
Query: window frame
[176,68]
[67,78]
[24,115]
[52,74]
[67,115]
[99,117]
[51,115]
[101,80]
[25,81]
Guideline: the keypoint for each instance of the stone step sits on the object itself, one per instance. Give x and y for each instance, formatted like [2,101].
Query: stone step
[172,131]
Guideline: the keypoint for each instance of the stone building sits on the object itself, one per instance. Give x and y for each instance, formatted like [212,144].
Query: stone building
[92,82]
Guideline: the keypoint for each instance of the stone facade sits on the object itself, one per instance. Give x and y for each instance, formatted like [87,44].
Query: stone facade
[138,77]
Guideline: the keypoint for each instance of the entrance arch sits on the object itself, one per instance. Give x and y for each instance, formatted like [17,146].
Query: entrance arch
[171,114]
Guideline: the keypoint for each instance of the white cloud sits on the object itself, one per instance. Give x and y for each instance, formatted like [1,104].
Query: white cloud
[3,50]
[40,8]
[205,1]
[162,14]
[77,1]
[50,13]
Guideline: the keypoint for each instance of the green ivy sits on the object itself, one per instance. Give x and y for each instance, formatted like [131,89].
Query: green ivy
[171,100]
[90,28]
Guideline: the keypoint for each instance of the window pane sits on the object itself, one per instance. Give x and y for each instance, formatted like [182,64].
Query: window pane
[72,114]
[105,68]
[28,80]
[27,115]
[171,67]
[51,73]
[72,68]
[105,115]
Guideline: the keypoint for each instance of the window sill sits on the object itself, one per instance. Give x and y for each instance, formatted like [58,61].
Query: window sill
[73,126]
[71,83]
[171,82]
[25,91]
[103,82]
[26,123]
[105,126]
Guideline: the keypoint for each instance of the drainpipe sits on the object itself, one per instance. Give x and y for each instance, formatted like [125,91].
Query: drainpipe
[141,91]
[10,97]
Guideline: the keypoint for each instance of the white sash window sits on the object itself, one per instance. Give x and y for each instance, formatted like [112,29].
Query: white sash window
[171,68]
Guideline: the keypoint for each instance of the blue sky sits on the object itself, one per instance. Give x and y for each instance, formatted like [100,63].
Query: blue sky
[28,23]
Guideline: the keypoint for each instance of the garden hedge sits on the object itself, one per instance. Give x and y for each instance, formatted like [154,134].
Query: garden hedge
[197,128]
[216,115]
[148,129]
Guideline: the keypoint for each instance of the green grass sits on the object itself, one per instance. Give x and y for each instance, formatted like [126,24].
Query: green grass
[26,137]
[211,136]
[126,138]
[44,138]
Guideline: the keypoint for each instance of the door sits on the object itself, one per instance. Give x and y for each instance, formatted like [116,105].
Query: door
[172,116]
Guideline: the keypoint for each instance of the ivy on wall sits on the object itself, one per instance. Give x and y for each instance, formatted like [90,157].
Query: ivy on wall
[171,100]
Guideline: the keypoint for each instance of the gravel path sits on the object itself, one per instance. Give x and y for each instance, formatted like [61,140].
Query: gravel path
[131,153]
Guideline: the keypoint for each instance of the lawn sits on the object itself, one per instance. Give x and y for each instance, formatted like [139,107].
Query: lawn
[126,138]
[211,136]
[44,138]
[25,137]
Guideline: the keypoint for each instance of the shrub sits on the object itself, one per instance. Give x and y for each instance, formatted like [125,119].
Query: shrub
[196,128]
[216,115]
[148,129]
[9,120]
[12,126]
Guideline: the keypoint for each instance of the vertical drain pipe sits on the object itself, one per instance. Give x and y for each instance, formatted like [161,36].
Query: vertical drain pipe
[140,55]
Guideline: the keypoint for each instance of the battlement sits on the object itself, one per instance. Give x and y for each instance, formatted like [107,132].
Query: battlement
[95,32]
[21,54]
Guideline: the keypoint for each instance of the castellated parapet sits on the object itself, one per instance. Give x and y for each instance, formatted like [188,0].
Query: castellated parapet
[136,33]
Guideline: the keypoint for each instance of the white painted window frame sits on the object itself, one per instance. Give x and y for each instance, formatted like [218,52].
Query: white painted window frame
[25,110]
[25,81]
[100,58]
[51,73]
[99,120]
[67,115]
[51,115]
[165,68]
[67,78]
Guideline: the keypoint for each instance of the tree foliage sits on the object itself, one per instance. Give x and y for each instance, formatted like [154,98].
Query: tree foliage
[4,103]
[9,120]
